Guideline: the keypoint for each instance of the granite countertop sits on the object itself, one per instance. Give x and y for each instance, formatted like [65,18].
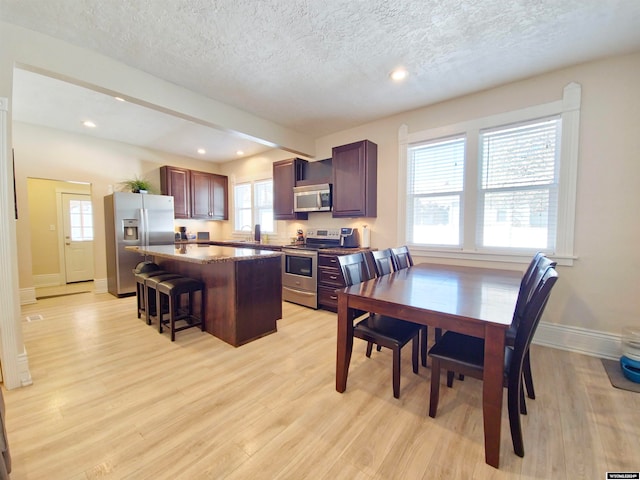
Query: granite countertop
[203,254]
[270,246]
[246,244]
[233,243]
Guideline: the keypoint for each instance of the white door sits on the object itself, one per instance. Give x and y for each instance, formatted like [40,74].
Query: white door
[78,237]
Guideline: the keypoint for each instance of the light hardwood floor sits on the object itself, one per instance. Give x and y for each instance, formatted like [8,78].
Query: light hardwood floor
[112,398]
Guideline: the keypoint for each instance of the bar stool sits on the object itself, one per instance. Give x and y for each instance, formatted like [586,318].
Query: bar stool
[140,279]
[172,289]
[150,294]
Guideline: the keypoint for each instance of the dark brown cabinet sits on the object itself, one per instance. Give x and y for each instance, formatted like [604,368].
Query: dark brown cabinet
[355,177]
[243,297]
[176,182]
[258,301]
[329,279]
[286,174]
[209,196]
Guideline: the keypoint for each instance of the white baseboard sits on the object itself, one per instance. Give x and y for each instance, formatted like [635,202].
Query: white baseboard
[27,296]
[580,340]
[100,285]
[47,280]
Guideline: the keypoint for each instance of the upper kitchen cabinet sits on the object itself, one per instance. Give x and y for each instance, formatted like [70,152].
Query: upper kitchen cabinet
[176,182]
[355,176]
[286,175]
[209,196]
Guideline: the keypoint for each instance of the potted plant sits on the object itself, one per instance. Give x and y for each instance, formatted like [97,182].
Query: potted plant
[138,185]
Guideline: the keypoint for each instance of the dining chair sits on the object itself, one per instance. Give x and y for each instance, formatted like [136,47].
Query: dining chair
[383,263]
[385,331]
[536,269]
[402,259]
[464,353]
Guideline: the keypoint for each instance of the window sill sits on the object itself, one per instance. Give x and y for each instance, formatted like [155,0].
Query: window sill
[495,257]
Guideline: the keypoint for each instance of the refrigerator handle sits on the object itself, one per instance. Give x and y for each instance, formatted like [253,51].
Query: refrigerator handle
[144,224]
[147,227]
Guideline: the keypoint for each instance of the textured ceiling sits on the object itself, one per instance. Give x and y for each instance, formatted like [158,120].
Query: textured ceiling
[322,66]
[49,102]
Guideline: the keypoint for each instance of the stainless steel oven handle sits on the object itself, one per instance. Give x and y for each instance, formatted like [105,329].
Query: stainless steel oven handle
[300,253]
[300,292]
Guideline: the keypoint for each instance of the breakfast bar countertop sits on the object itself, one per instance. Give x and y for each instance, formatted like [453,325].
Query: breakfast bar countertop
[203,254]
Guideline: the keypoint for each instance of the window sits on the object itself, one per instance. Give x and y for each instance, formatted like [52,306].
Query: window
[498,186]
[81,220]
[253,204]
[517,198]
[435,187]
[263,204]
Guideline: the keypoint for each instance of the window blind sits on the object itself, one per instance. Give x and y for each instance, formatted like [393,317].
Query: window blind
[242,205]
[519,185]
[254,205]
[263,201]
[434,191]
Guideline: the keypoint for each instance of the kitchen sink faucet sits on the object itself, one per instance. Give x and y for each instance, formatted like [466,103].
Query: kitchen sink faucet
[250,230]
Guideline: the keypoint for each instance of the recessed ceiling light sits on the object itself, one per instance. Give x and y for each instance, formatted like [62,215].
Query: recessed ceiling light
[89,124]
[239,152]
[398,74]
[202,151]
[120,99]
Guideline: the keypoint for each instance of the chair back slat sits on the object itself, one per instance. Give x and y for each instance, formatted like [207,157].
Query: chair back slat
[382,261]
[530,279]
[401,258]
[529,322]
[354,268]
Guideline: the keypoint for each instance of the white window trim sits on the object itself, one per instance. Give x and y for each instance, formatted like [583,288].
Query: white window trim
[569,110]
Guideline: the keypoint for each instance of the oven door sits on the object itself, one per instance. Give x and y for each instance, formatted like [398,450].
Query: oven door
[299,277]
[299,269]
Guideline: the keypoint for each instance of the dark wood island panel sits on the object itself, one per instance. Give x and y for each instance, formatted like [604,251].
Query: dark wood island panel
[243,288]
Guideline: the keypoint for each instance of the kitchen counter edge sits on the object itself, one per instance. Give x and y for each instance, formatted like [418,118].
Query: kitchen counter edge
[204,253]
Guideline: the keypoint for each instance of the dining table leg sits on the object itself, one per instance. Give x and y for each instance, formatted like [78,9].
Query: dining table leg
[345,343]
[492,391]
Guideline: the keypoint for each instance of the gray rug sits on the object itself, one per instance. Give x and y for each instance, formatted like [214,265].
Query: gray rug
[617,378]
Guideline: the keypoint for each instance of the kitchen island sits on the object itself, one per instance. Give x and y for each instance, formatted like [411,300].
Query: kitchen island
[243,286]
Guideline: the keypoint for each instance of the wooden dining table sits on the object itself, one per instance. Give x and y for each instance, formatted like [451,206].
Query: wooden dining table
[474,301]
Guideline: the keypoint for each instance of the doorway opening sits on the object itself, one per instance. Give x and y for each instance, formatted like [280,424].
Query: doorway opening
[61,227]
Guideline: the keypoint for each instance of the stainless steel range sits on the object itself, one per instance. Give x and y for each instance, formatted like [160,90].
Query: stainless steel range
[300,266]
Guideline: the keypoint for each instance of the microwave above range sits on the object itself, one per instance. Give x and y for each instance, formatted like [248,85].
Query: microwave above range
[312,198]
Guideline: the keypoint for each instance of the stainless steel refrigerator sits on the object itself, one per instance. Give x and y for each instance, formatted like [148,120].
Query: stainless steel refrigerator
[133,219]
